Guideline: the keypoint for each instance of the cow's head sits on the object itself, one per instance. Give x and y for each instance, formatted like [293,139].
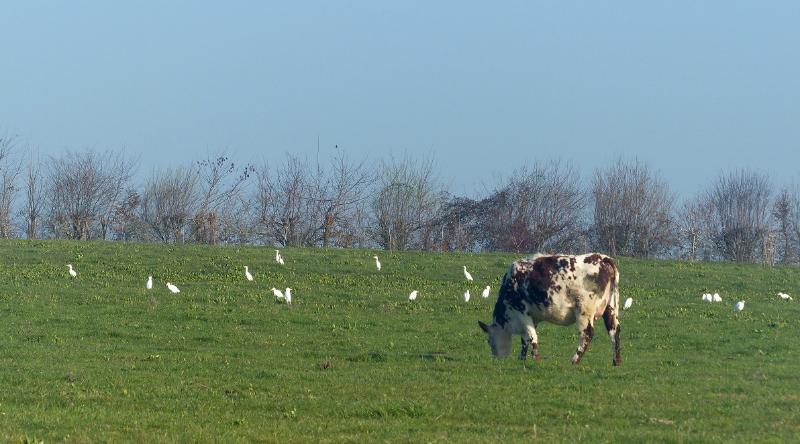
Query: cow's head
[499,339]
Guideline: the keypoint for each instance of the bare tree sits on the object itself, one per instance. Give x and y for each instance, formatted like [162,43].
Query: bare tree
[786,212]
[287,216]
[740,218]
[221,182]
[344,189]
[456,226]
[264,197]
[632,211]
[9,171]
[83,189]
[125,222]
[539,208]
[781,211]
[693,226]
[406,202]
[795,223]
[169,200]
[34,195]
[238,225]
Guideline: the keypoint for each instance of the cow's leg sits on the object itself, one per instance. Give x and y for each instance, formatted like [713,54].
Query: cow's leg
[611,319]
[529,339]
[586,333]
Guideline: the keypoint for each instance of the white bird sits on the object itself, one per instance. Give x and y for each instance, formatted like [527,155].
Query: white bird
[706,297]
[72,272]
[377,263]
[173,288]
[486,291]
[413,295]
[466,274]
[247,273]
[466,296]
[738,307]
[288,295]
[717,297]
[277,255]
[280,260]
[278,294]
[149,284]
[785,296]
[628,303]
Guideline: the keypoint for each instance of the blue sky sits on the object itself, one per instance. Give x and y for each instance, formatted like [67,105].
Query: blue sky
[689,87]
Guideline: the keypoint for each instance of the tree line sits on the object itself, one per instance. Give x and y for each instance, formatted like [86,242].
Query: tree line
[626,208]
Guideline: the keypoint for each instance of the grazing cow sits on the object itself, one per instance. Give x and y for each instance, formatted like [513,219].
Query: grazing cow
[559,289]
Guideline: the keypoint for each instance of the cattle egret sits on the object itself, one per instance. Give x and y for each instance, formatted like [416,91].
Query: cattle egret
[149,284]
[247,273]
[785,296]
[377,263]
[413,295]
[173,288]
[72,272]
[486,291]
[278,294]
[466,274]
[280,260]
[288,295]
[738,307]
[466,296]
[277,255]
[706,297]
[628,303]
[717,297]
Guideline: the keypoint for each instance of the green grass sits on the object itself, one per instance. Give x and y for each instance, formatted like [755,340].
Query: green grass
[99,358]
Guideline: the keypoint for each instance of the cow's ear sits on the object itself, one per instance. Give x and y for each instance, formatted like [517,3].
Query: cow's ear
[483,327]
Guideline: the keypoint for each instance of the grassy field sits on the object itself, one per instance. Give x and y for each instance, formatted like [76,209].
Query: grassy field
[99,358]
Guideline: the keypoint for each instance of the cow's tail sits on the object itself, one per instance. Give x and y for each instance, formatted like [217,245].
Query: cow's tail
[611,318]
[614,291]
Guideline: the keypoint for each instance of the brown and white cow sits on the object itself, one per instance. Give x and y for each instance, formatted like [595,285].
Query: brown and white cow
[560,289]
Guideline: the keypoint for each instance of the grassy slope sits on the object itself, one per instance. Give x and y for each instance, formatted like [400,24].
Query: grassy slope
[100,358]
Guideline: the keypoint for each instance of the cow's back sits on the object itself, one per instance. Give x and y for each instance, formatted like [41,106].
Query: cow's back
[556,288]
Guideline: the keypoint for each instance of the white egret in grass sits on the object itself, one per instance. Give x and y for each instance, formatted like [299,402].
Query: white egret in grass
[377,263]
[738,307]
[717,297]
[784,296]
[247,273]
[72,272]
[280,259]
[288,295]
[277,255]
[278,294]
[466,296]
[173,288]
[628,303]
[413,295]
[486,291]
[149,284]
[466,274]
